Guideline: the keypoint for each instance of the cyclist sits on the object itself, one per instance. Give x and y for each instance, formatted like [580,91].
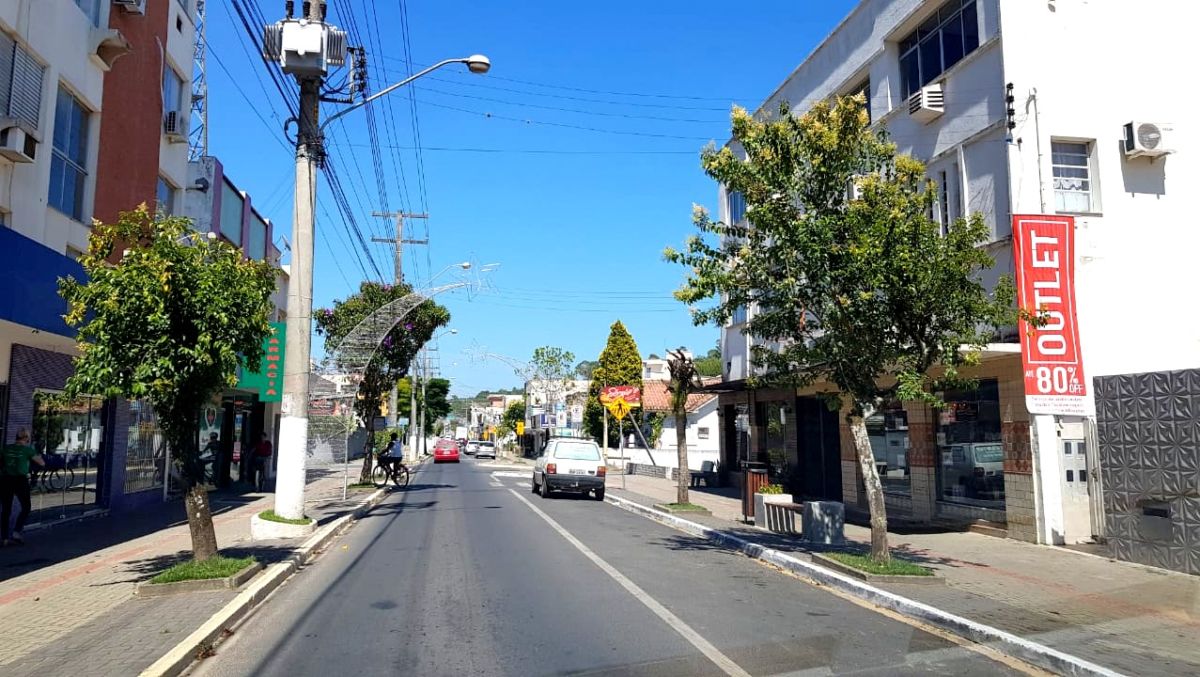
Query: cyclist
[391,455]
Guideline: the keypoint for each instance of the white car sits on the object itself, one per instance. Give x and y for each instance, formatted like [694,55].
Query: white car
[472,447]
[485,450]
[573,465]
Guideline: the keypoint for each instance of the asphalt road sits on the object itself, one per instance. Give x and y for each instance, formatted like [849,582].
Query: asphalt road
[468,573]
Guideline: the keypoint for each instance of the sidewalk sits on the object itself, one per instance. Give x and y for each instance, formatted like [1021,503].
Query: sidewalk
[1132,619]
[67,603]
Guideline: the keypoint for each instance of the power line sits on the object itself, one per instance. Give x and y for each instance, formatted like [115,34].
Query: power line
[539,151]
[566,125]
[632,116]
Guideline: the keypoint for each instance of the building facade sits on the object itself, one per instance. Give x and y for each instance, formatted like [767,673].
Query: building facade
[938,76]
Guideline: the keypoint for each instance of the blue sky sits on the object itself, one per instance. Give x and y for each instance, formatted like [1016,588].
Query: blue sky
[572,164]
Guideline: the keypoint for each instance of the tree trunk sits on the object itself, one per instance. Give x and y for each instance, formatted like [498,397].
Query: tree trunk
[683,475]
[200,523]
[364,477]
[866,462]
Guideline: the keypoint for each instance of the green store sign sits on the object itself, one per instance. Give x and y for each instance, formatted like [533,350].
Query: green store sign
[268,382]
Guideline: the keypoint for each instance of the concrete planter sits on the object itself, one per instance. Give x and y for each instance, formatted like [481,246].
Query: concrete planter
[850,571]
[149,589]
[266,530]
[681,511]
[760,509]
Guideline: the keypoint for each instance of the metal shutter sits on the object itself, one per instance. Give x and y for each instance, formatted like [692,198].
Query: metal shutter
[7,45]
[25,104]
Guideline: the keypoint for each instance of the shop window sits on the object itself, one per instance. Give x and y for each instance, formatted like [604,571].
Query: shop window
[68,433]
[887,429]
[702,433]
[970,451]
[145,457]
[775,423]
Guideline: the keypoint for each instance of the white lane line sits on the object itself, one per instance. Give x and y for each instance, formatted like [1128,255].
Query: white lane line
[501,473]
[721,660]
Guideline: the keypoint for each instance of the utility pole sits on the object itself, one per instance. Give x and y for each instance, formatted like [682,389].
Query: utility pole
[394,399]
[290,42]
[424,404]
[198,141]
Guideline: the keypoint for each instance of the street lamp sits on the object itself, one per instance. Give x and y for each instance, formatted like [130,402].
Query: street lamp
[476,63]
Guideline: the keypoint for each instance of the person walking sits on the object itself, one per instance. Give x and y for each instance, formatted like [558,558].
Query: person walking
[262,460]
[14,482]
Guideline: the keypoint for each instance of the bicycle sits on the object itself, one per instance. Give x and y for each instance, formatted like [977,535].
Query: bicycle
[389,468]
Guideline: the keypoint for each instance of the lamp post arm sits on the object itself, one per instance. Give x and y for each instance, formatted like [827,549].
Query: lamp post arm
[388,90]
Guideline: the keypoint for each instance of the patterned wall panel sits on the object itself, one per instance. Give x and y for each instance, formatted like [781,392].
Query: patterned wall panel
[1149,433]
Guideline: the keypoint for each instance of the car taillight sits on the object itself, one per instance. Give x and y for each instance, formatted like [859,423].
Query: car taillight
[551,468]
[600,471]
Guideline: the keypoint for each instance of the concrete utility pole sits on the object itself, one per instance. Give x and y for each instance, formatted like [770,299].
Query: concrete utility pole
[394,399]
[291,42]
[424,405]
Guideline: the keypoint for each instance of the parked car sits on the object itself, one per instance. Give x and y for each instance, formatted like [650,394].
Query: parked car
[445,451]
[485,450]
[472,447]
[573,465]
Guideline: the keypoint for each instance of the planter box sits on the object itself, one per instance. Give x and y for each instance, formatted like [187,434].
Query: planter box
[779,520]
[149,589]
[266,530]
[852,572]
[681,511]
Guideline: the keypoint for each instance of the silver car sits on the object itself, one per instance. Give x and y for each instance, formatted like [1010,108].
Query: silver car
[572,465]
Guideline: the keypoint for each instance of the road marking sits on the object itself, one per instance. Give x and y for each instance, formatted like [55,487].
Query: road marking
[713,653]
[502,473]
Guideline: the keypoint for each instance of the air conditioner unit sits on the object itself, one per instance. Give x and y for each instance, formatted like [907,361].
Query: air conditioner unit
[1146,139]
[927,103]
[174,126]
[132,6]
[17,145]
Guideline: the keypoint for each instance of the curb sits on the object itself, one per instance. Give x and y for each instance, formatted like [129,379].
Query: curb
[1029,651]
[148,589]
[183,654]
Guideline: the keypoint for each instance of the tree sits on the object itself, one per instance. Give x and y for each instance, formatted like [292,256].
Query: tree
[551,369]
[585,368]
[395,353]
[514,414]
[167,314]
[710,364]
[619,364]
[684,381]
[862,292]
[435,402]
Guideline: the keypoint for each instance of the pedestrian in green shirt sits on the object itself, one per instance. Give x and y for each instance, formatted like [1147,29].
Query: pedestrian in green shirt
[14,482]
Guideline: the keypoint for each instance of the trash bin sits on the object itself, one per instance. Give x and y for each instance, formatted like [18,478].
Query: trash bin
[755,479]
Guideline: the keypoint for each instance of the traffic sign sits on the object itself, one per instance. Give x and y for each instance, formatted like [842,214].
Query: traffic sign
[618,408]
[520,428]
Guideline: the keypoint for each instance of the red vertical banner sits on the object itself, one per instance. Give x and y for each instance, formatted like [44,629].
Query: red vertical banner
[1044,247]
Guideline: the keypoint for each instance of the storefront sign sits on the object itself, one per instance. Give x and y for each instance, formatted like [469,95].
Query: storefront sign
[1044,246]
[631,394]
[268,382]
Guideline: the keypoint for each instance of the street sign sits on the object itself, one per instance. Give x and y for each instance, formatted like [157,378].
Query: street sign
[631,394]
[618,408]
[520,428]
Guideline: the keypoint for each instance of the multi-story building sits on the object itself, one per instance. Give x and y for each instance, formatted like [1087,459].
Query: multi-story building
[1098,133]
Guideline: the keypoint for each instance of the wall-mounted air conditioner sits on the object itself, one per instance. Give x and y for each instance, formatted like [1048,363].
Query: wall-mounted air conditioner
[1146,139]
[17,145]
[174,126]
[927,103]
[132,6]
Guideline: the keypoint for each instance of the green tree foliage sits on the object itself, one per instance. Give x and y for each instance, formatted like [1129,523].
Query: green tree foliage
[514,414]
[437,390]
[619,364]
[865,293]
[168,314]
[396,352]
[585,368]
[710,365]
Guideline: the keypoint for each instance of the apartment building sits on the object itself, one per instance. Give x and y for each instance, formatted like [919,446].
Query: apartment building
[1059,108]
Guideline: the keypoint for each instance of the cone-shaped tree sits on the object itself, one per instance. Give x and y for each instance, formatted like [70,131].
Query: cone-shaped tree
[619,364]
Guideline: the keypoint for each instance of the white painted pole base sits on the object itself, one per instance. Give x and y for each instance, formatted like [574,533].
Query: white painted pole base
[293,462]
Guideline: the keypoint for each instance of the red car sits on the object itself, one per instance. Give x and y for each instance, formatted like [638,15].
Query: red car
[445,451]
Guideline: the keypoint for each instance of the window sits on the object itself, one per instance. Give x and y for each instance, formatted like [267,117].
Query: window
[67,166]
[702,433]
[887,429]
[91,8]
[941,41]
[970,448]
[863,89]
[20,84]
[145,458]
[3,219]
[576,451]
[172,90]
[256,248]
[739,315]
[737,207]
[165,194]
[1071,165]
[231,214]
[944,201]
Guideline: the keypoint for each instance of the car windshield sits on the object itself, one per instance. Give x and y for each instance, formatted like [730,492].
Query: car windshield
[577,451]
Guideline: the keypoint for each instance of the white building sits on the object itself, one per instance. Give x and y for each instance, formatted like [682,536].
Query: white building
[936,75]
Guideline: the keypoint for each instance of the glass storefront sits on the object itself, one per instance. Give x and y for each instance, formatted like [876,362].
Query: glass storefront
[68,434]
[146,454]
[970,450]
[773,450]
[888,432]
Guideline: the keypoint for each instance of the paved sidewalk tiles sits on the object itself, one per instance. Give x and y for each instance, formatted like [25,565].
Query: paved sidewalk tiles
[1130,618]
